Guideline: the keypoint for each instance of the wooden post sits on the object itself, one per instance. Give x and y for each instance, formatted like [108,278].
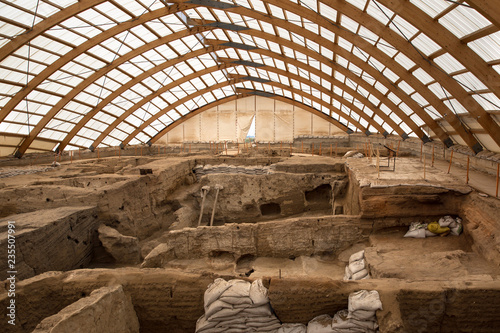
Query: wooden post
[467,178]
[71,157]
[451,158]
[498,177]
[378,164]
[269,147]
[281,145]
[397,152]
[432,163]
[320,148]
[424,166]
[302,150]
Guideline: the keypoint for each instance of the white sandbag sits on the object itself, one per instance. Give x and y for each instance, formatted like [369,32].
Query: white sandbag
[350,153]
[418,233]
[214,291]
[362,315]
[457,230]
[445,221]
[368,324]
[236,300]
[216,307]
[364,300]
[320,324]
[357,266]
[224,314]
[238,288]
[429,233]
[357,256]
[263,310]
[340,320]
[348,274]
[258,293]
[292,328]
[203,324]
[232,321]
[366,277]
[359,275]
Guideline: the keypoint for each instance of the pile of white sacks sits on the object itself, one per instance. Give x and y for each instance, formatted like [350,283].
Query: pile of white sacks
[237,306]
[359,317]
[356,270]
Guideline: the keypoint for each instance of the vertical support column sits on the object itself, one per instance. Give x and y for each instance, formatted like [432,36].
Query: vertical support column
[451,159]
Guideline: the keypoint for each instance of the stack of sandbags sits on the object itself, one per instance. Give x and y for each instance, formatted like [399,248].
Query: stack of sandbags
[446,225]
[292,328]
[356,270]
[201,170]
[455,224]
[237,306]
[360,317]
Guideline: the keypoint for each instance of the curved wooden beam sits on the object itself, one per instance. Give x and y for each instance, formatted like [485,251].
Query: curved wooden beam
[95,76]
[45,25]
[488,9]
[372,23]
[89,115]
[52,68]
[193,113]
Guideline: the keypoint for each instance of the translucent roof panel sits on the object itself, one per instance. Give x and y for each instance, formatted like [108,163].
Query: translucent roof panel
[120,72]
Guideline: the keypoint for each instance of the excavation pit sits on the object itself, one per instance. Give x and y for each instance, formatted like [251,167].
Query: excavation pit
[293,222]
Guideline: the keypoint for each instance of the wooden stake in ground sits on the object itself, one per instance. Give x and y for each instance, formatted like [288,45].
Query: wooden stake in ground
[451,159]
[467,177]
[378,164]
[320,148]
[71,156]
[432,163]
[498,178]
[424,166]
[302,150]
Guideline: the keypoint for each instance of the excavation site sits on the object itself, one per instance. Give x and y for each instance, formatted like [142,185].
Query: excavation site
[243,166]
[260,239]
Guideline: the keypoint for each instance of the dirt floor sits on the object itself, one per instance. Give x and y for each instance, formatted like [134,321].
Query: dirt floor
[292,221]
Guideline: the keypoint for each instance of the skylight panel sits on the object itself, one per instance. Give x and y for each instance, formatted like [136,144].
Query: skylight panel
[358,3]
[387,48]
[455,106]
[360,54]
[368,35]
[277,12]
[266,27]
[375,101]
[390,75]
[432,8]
[404,61]
[402,27]
[419,99]
[345,44]
[425,44]
[487,47]
[341,61]
[422,75]
[328,12]
[470,82]
[173,22]
[379,12]
[463,20]
[380,87]
[439,91]
[349,23]
[113,11]
[259,6]
[376,64]
[159,28]
[448,63]
[310,4]
[406,87]
[488,101]
[368,78]
[327,34]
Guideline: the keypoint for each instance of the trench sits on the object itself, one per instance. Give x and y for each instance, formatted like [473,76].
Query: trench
[292,223]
